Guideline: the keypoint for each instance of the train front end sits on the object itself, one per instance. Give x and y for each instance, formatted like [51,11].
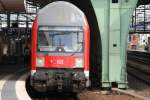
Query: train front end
[60,49]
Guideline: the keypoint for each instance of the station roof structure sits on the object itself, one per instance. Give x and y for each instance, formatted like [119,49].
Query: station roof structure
[142,2]
[39,3]
[42,3]
[12,5]
[20,5]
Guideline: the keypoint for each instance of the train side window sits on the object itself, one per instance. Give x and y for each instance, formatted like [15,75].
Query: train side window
[114,1]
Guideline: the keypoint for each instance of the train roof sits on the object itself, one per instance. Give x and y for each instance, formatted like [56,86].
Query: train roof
[60,13]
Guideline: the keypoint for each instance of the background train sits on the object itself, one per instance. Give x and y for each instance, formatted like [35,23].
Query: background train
[60,49]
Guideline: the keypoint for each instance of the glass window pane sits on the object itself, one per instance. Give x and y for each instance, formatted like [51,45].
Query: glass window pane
[22,24]
[13,16]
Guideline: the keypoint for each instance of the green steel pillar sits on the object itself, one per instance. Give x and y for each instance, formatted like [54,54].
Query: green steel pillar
[114,20]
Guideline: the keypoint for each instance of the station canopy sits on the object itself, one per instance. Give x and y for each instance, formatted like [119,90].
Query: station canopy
[12,5]
[20,5]
[42,3]
[142,2]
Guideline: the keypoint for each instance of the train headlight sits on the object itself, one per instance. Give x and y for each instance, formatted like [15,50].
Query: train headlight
[79,63]
[39,62]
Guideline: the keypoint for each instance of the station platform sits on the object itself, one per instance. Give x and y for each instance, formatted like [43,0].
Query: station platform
[138,50]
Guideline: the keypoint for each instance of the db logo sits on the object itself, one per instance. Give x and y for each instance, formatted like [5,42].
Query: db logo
[59,62]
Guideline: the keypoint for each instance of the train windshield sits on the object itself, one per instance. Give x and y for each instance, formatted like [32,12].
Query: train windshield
[60,41]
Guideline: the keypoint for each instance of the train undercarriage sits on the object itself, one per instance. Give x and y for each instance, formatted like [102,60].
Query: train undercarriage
[60,80]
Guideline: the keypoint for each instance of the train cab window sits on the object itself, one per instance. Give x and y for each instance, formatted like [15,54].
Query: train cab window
[60,41]
[41,40]
[80,37]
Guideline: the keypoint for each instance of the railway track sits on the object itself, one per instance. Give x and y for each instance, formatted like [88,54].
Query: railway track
[139,59]
[13,88]
[138,65]
[142,57]
[139,74]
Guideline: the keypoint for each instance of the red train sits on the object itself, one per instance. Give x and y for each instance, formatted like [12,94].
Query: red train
[60,49]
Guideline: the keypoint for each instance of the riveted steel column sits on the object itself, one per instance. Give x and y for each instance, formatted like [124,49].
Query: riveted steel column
[113,20]
[101,8]
[126,11]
